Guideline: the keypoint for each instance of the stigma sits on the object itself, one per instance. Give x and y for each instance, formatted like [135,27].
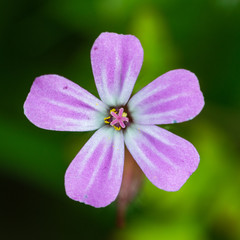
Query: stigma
[117,119]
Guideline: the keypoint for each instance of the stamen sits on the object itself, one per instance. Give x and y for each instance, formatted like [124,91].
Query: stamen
[117,128]
[113,110]
[107,120]
[117,119]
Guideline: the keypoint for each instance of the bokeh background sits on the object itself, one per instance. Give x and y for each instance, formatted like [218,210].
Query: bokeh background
[43,36]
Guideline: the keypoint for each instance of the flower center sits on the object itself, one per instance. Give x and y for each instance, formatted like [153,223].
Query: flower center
[117,119]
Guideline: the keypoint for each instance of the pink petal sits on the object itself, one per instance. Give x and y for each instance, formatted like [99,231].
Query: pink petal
[173,97]
[56,103]
[94,176]
[166,159]
[116,62]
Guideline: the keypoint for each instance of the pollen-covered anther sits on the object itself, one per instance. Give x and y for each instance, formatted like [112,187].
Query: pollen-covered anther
[107,120]
[117,119]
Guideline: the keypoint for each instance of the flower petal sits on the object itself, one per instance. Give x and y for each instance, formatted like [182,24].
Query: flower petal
[173,97]
[94,176]
[56,103]
[116,62]
[166,159]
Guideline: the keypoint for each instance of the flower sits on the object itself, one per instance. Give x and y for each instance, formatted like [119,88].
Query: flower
[94,176]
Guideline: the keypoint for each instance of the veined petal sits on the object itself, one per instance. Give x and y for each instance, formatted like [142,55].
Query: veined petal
[94,176]
[116,62]
[166,159]
[173,97]
[56,103]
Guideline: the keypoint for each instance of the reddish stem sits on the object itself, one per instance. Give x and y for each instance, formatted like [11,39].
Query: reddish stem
[131,183]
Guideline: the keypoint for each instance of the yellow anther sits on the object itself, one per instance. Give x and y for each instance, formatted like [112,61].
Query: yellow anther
[124,114]
[113,110]
[117,128]
[106,120]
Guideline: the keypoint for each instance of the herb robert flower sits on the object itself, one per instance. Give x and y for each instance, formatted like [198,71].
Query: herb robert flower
[94,176]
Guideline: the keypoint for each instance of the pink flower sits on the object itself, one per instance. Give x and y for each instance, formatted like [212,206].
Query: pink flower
[94,176]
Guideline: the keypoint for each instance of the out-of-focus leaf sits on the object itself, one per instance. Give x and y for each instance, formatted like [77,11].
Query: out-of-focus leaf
[192,211]
[160,55]
[35,158]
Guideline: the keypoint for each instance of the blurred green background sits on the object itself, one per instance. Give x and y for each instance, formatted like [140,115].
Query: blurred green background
[42,36]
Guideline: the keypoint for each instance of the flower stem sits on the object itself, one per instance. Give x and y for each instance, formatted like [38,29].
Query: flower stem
[131,184]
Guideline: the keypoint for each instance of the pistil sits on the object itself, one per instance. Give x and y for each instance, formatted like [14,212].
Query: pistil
[117,120]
